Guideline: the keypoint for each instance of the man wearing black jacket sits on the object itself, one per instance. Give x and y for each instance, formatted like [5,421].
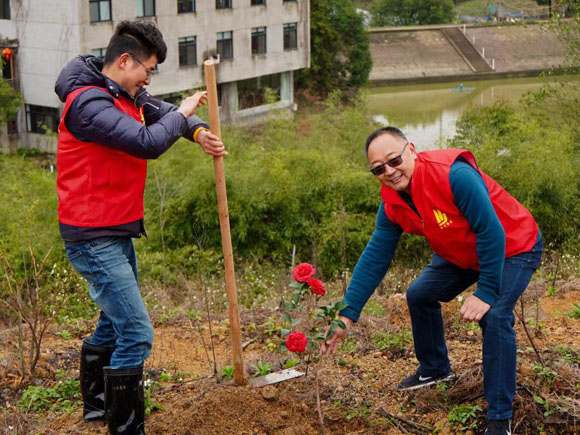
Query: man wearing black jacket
[109,127]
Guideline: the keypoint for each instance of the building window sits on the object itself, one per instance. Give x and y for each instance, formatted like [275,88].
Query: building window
[145,8]
[99,52]
[40,119]
[100,10]
[187,51]
[258,40]
[258,2]
[185,6]
[4,9]
[225,45]
[290,36]
[259,90]
[223,4]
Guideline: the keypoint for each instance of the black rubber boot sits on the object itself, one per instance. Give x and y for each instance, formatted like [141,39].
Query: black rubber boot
[93,359]
[125,401]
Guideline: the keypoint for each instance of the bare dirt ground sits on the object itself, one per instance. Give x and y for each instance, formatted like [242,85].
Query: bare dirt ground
[357,387]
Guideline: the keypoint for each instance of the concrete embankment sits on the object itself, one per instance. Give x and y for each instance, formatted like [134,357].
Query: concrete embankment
[450,52]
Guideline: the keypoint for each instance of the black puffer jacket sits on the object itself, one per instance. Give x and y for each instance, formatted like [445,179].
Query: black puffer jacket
[93,116]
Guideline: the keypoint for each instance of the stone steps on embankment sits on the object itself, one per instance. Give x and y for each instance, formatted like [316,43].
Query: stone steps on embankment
[472,57]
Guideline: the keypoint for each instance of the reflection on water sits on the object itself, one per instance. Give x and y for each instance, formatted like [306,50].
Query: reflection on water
[427,113]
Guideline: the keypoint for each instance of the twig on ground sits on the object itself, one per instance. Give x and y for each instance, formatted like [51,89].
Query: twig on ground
[318,407]
[392,417]
[209,323]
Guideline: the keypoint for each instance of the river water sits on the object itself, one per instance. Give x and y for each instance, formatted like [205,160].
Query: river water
[427,113]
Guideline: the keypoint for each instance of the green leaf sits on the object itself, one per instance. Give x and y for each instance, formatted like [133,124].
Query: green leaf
[341,324]
[284,332]
[286,317]
[340,305]
[331,330]
[296,322]
[297,285]
[289,305]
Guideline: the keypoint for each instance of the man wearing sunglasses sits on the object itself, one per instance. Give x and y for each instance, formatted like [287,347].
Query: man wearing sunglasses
[109,127]
[479,234]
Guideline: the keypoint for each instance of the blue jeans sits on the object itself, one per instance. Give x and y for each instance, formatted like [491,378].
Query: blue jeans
[110,266]
[441,281]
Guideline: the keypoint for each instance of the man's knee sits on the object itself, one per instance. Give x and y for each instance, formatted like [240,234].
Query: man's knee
[417,295]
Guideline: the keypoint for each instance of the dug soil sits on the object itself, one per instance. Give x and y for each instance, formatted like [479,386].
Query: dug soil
[357,387]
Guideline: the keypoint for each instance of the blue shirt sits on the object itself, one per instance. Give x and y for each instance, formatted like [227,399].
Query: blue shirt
[472,199]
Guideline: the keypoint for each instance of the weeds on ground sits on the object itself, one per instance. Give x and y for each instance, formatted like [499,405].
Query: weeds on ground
[394,343]
[227,373]
[574,313]
[545,373]
[464,417]
[63,396]
[261,369]
[150,406]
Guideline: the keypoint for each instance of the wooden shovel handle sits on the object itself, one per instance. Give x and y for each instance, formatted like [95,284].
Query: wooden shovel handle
[222,198]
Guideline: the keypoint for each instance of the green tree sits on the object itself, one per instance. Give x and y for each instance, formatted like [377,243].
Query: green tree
[340,55]
[411,12]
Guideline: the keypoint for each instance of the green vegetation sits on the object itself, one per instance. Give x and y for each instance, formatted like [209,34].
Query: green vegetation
[545,373]
[394,343]
[261,369]
[340,55]
[10,100]
[464,417]
[575,311]
[227,373]
[411,12]
[63,396]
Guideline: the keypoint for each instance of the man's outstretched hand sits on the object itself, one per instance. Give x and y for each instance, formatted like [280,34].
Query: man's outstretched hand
[328,347]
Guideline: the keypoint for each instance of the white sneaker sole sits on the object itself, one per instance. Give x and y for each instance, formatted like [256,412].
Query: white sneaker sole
[426,384]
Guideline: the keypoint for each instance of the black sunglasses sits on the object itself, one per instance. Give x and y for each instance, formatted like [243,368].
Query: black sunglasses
[393,163]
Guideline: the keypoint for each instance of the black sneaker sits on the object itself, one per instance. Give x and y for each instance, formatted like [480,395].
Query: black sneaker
[420,381]
[499,427]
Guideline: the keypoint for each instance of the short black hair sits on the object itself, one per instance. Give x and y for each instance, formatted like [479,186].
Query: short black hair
[393,131]
[141,39]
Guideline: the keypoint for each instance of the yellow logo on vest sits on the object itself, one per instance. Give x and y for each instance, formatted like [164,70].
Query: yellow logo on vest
[442,219]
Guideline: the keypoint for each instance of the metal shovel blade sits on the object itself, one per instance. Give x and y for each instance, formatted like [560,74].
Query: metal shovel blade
[274,378]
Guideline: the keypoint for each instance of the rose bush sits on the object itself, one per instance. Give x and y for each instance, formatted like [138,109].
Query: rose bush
[305,298]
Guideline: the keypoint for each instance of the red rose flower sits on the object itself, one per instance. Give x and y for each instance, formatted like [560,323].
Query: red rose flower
[303,271]
[316,286]
[296,342]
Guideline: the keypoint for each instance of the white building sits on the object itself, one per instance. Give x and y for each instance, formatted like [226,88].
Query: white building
[260,44]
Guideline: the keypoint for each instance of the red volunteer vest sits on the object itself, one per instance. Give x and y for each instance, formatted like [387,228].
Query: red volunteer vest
[98,186]
[441,222]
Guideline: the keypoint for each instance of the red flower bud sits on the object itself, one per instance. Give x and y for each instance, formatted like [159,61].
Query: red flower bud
[303,271]
[316,286]
[296,342]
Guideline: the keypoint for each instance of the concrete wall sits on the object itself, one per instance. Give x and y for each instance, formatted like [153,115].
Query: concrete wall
[422,52]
